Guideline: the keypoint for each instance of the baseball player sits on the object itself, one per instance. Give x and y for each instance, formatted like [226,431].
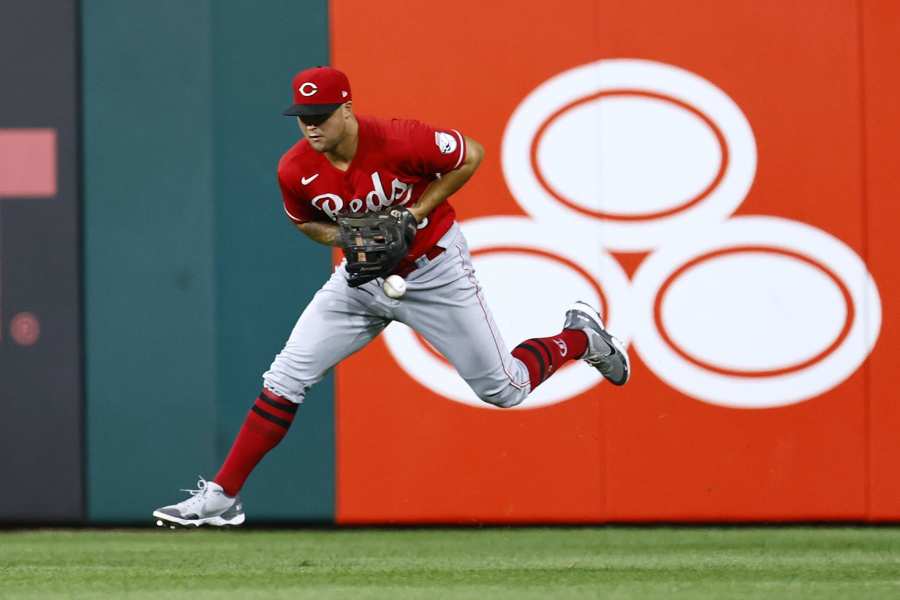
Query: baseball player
[378,188]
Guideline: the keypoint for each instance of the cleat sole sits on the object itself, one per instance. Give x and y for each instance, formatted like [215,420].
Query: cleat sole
[164,520]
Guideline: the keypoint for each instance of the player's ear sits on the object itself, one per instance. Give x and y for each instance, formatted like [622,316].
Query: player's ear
[347,107]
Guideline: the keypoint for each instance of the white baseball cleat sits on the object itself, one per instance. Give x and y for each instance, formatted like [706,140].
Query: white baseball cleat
[605,353]
[208,505]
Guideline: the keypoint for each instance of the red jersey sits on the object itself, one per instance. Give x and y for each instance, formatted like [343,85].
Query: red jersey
[395,161]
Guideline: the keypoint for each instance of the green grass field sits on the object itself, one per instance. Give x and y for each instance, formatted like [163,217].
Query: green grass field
[621,563]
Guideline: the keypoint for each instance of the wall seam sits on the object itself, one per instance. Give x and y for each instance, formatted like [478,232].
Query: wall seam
[335,394]
[78,8]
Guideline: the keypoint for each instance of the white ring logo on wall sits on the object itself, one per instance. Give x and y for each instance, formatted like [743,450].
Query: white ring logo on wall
[756,312]
[742,312]
[670,153]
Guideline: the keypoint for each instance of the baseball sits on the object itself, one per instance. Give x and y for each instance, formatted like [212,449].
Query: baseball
[394,286]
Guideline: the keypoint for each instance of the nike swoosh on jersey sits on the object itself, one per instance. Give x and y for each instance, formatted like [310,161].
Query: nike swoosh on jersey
[308,180]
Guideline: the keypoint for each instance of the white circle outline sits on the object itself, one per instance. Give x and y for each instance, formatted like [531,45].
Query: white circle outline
[754,391]
[579,247]
[708,172]
[639,75]
[719,352]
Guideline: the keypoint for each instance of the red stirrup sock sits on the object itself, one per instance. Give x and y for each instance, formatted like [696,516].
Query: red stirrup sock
[544,356]
[267,422]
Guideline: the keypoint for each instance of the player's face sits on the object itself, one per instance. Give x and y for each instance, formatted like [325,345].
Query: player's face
[324,134]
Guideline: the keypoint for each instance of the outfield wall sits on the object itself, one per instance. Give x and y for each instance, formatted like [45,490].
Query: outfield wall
[720,178]
[193,275]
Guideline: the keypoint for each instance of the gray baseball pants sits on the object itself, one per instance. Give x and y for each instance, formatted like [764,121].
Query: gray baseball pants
[443,302]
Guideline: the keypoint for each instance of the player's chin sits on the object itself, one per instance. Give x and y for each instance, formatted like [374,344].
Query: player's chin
[317,143]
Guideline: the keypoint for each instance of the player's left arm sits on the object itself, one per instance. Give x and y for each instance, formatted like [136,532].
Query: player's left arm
[442,188]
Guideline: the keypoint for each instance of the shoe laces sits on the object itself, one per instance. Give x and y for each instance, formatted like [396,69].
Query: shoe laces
[197,495]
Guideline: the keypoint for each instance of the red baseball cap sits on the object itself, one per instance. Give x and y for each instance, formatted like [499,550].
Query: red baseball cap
[318,91]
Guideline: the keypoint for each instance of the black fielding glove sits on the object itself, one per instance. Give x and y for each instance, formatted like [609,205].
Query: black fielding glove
[374,243]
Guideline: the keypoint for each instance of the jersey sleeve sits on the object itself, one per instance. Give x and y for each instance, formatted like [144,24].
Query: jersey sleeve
[432,151]
[296,207]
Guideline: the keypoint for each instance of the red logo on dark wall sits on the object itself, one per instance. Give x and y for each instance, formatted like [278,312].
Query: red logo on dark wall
[28,169]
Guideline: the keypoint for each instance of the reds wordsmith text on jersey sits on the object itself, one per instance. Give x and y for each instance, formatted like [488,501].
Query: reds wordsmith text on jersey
[395,161]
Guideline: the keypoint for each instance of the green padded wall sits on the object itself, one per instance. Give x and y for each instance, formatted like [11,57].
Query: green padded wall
[193,276]
[266,270]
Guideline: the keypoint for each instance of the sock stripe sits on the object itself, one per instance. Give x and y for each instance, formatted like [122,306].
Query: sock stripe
[538,356]
[543,345]
[290,407]
[270,417]
[274,411]
[544,356]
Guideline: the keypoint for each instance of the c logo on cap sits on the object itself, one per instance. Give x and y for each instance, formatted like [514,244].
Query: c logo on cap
[313,88]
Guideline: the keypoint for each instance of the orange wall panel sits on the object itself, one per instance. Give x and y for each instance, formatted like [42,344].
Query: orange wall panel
[782,85]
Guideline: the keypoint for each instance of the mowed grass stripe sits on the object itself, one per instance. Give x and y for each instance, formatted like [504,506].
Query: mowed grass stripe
[625,563]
